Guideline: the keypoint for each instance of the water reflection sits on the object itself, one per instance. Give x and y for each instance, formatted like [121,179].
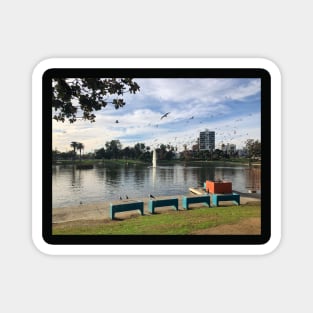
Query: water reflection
[106,183]
[153,177]
[253,179]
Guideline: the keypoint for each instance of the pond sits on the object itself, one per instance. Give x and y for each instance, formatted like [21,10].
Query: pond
[71,186]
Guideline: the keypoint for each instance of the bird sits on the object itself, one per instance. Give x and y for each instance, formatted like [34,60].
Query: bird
[151,196]
[116,121]
[165,115]
[126,197]
[121,198]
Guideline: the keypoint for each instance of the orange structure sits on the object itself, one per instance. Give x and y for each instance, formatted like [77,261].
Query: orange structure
[222,187]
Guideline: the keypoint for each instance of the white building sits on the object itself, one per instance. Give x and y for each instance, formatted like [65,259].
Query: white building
[228,148]
[207,140]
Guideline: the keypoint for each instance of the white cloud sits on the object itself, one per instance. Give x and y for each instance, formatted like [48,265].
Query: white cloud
[194,104]
[208,91]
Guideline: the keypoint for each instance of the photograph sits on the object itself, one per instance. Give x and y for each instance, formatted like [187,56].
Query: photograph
[157,155]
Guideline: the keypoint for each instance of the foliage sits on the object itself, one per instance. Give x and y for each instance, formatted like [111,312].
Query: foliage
[74,145]
[254,148]
[57,155]
[113,150]
[80,147]
[77,146]
[72,95]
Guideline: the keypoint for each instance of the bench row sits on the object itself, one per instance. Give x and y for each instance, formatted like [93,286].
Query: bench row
[173,202]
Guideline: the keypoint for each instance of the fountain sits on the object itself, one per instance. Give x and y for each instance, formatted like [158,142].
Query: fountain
[154,165]
[154,159]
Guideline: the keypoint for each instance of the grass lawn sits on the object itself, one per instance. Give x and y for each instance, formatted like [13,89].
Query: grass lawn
[181,222]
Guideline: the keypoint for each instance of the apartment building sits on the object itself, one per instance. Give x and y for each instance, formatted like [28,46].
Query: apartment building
[207,140]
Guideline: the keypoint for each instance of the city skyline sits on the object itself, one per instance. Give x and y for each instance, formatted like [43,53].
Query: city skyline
[172,111]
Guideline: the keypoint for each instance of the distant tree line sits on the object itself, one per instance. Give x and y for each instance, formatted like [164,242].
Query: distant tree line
[113,150]
[71,155]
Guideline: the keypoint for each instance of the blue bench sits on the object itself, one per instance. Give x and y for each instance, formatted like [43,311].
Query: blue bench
[205,199]
[225,197]
[162,202]
[123,207]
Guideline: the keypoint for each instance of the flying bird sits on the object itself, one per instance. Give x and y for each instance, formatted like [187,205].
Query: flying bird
[165,115]
[151,196]
[116,121]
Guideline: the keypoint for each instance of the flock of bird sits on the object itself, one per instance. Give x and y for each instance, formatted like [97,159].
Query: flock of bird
[223,135]
[126,198]
[150,196]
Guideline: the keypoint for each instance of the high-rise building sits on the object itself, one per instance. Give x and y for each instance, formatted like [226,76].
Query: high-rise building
[207,140]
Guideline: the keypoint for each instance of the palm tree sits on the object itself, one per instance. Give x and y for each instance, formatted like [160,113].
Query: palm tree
[74,146]
[80,147]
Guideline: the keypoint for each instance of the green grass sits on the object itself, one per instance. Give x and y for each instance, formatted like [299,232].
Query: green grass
[163,223]
[124,162]
[100,162]
[160,162]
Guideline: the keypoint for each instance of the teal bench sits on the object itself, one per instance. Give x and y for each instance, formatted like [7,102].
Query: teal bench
[225,197]
[162,202]
[123,207]
[205,199]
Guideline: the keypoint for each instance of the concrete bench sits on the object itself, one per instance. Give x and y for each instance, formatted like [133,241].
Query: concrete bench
[123,207]
[225,197]
[205,199]
[161,203]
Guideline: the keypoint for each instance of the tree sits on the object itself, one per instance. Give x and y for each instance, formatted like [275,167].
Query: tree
[100,153]
[162,151]
[126,153]
[139,149]
[72,96]
[254,148]
[185,153]
[113,148]
[80,147]
[55,154]
[74,146]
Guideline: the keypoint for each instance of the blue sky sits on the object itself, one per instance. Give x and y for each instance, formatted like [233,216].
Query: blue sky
[230,107]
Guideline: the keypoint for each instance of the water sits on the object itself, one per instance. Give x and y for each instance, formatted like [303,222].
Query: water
[71,186]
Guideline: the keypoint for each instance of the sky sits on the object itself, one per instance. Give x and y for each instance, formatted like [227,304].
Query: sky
[229,107]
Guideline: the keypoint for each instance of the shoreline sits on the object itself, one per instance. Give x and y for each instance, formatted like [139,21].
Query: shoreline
[100,211]
[238,161]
